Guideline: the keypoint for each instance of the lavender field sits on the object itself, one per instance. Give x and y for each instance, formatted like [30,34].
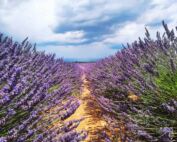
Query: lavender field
[128,97]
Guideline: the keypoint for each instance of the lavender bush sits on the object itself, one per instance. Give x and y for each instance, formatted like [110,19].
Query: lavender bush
[33,89]
[141,82]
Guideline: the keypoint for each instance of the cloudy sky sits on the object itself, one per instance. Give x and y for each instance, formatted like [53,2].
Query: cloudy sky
[84,30]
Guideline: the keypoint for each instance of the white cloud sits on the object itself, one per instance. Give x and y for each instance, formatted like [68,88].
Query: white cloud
[131,30]
[124,33]
[80,53]
[29,18]
[38,19]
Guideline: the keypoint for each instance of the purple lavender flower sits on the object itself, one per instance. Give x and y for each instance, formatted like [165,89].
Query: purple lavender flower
[166,134]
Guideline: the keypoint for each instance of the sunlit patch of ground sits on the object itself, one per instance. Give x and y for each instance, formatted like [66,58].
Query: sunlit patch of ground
[133,97]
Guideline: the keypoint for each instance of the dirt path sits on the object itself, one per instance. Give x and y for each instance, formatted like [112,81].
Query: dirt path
[94,120]
[89,109]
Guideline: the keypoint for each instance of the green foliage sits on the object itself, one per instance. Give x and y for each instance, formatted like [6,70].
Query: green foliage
[14,121]
[53,88]
[2,84]
[75,93]
[167,83]
[166,86]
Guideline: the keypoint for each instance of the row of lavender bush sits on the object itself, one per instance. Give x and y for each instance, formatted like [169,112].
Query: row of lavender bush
[139,86]
[36,95]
